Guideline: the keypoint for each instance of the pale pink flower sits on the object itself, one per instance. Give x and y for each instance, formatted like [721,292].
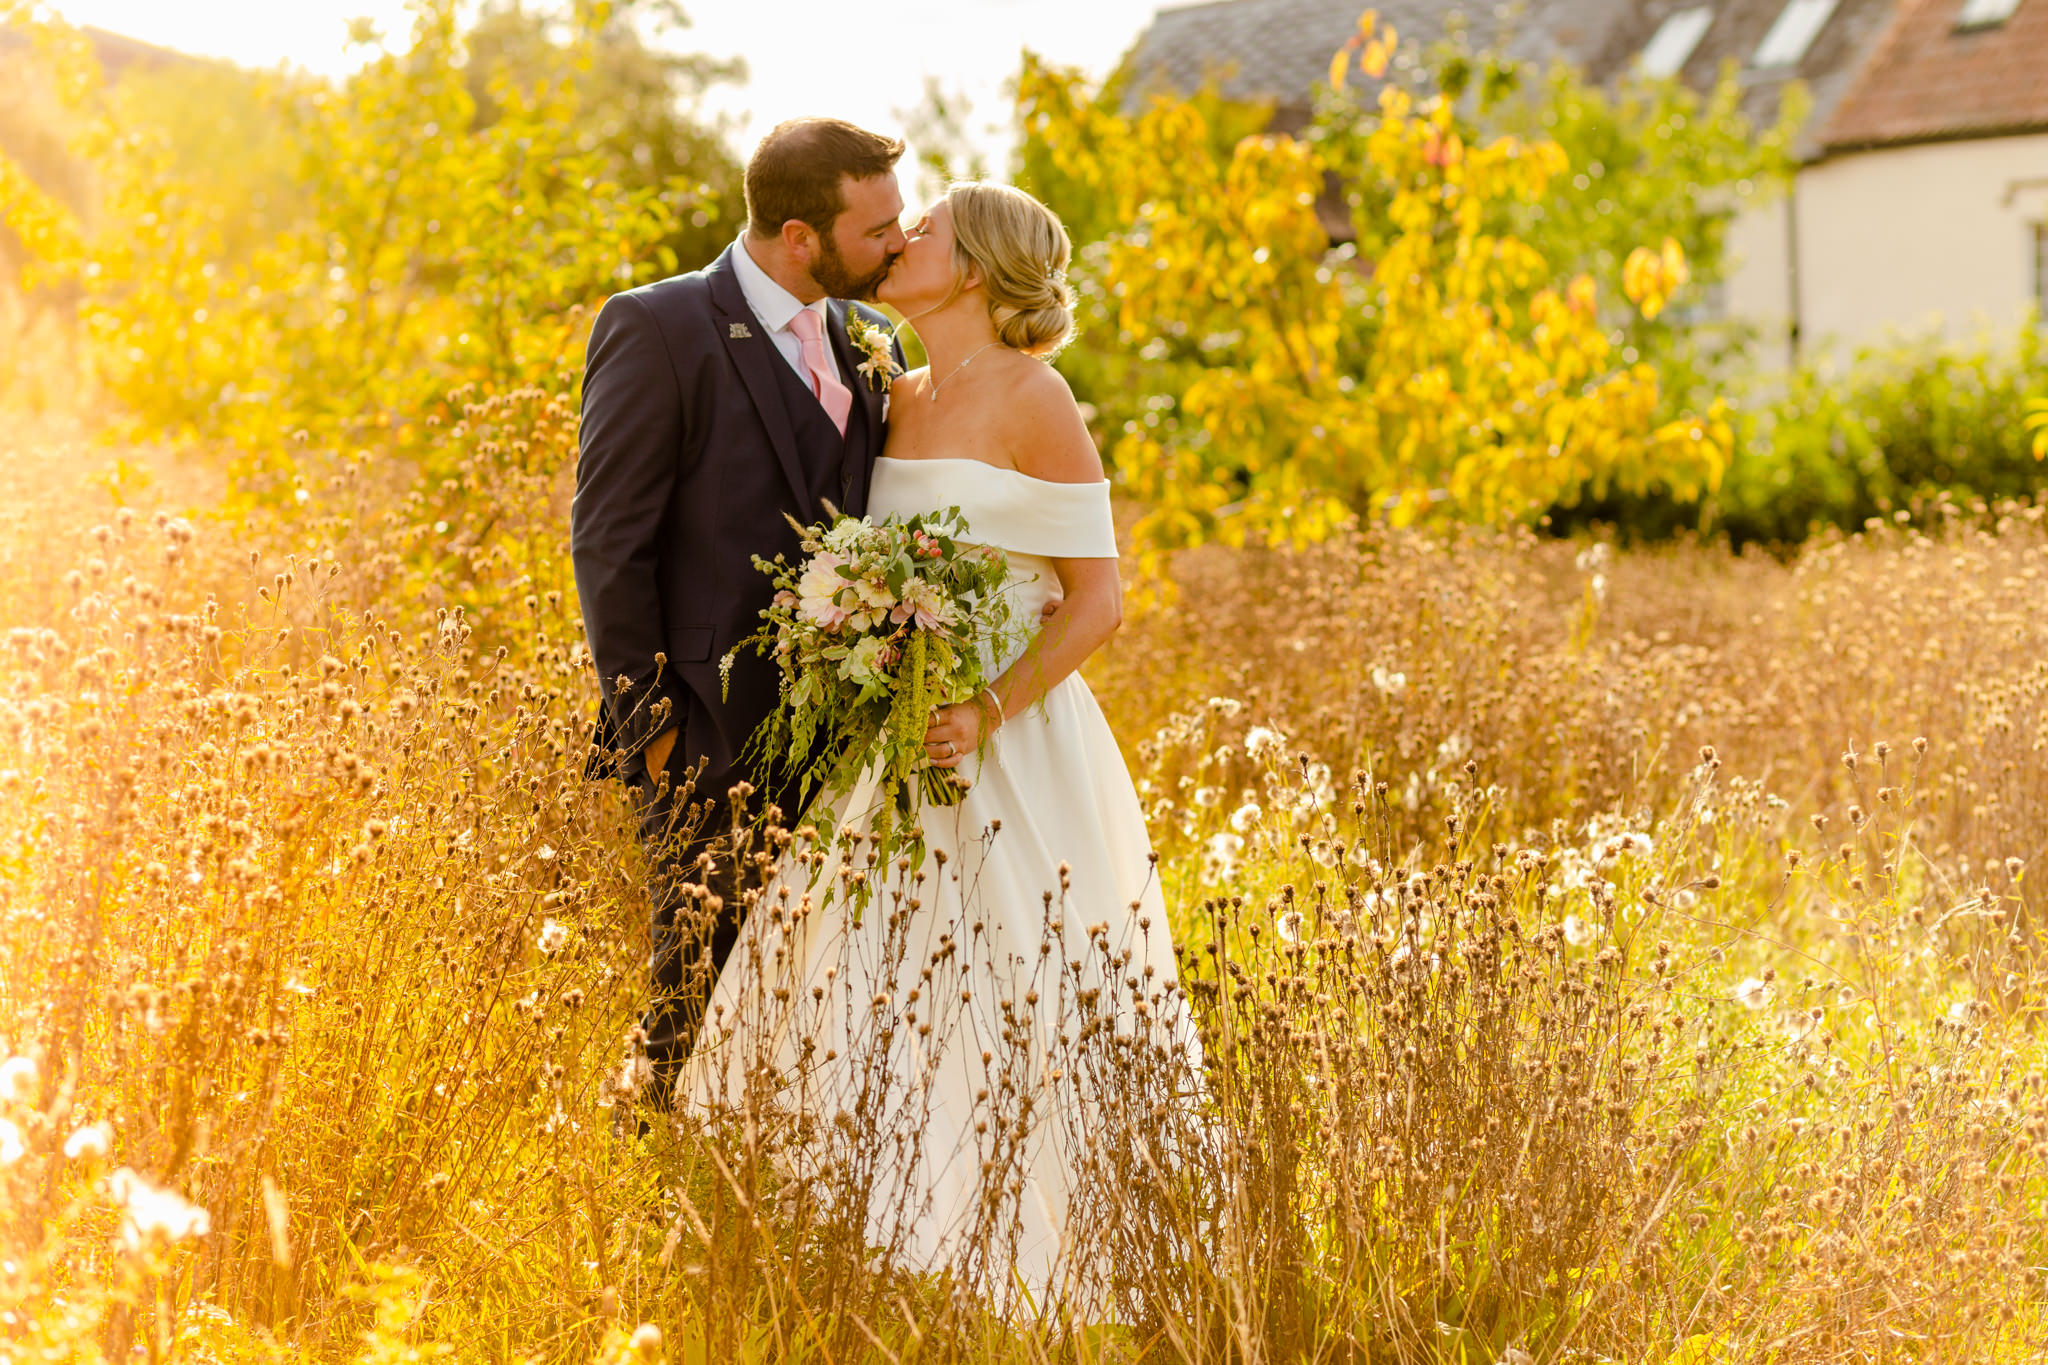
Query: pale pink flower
[923,603]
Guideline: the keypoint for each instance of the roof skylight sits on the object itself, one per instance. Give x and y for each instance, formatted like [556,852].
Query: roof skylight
[1799,23]
[1985,13]
[1677,37]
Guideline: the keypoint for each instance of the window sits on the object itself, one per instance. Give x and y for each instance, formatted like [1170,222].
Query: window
[1985,13]
[1798,25]
[1673,45]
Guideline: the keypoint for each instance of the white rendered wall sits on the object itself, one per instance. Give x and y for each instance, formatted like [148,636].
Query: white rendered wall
[1914,239]
[1758,288]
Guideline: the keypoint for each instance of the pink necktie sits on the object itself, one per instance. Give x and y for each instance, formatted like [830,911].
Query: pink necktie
[835,396]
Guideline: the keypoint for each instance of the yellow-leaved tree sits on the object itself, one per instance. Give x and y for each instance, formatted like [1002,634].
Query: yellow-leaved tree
[417,244]
[1434,367]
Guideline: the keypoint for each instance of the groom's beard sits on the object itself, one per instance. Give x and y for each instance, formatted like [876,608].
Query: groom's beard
[830,274]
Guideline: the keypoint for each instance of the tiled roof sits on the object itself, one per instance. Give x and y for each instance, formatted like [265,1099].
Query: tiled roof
[1930,81]
[1841,49]
[1280,49]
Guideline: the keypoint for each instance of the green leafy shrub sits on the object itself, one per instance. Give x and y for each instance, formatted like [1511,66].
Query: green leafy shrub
[1904,422]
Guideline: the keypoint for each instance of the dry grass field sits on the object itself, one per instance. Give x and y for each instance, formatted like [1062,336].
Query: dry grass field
[1599,956]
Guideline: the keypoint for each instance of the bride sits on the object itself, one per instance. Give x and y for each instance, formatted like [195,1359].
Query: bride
[971,1049]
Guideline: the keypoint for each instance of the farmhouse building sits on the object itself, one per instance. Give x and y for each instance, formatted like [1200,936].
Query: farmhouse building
[1921,198]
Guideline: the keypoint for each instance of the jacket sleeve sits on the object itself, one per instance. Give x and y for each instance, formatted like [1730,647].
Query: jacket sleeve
[631,441]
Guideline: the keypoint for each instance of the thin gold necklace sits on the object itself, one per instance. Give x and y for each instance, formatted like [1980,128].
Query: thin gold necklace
[934,394]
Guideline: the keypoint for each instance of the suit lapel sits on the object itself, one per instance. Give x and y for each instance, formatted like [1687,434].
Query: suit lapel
[753,354]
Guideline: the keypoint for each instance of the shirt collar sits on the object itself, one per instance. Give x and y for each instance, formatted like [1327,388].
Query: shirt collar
[771,303]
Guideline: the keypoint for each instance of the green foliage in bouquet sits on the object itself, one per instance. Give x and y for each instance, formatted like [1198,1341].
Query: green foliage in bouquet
[880,623]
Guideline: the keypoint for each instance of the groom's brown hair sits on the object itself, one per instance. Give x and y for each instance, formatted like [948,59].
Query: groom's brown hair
[797,169]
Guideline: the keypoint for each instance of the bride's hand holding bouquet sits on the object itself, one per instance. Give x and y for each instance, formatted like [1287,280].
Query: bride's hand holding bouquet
[879,626]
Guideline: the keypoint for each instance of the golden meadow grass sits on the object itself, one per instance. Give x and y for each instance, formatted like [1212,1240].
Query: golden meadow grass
[1599,956]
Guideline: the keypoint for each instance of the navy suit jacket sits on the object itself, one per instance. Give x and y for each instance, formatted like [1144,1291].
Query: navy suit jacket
[689,464]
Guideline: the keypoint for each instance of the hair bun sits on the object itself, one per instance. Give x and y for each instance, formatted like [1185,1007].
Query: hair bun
[1036,331]
[1020,249]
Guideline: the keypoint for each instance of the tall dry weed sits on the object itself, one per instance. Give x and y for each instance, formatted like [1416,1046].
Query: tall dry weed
[1590,959]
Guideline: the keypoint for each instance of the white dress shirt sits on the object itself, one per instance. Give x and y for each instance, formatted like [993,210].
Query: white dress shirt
[775,306]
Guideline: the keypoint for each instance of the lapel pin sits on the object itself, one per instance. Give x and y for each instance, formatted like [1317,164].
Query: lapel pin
[737,331]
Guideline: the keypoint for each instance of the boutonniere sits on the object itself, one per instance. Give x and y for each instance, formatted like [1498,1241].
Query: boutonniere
[874,344]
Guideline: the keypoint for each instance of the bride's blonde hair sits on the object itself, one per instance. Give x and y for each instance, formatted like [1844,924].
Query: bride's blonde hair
[1020,249]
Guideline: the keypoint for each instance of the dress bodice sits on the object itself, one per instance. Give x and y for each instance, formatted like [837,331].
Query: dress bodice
[1033,521]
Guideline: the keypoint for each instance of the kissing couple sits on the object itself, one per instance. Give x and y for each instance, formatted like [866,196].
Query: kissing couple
[721,406]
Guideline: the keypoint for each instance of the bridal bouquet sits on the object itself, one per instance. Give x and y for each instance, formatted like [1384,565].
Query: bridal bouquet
[880,623]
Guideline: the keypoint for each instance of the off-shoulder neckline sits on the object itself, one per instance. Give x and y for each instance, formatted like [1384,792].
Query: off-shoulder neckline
[997,468]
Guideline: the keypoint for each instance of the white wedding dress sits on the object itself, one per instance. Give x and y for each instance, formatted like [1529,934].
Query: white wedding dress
[960,1043]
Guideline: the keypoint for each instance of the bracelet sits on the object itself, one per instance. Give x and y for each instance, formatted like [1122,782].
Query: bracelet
[994,700]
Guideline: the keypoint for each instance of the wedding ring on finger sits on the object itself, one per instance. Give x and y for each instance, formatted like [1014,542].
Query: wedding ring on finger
[950,750]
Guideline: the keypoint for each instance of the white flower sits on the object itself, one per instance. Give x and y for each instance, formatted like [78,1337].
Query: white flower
[546,853]
[17,1079]
[1594,557]
[12,1149]
[1963,1012]
[1389,682]
[1752,993]
[1259,739]
[647,1339]
[1684,900]
[1610,850]
[1797,1024]
[1219,856]
[153,1215]
[1453,749]
[842,539]
[1207,796]
[1227,707]
[1244,817]
[1580,932]
[1289,925]
[91,1142]
[552,937]
[1323,853]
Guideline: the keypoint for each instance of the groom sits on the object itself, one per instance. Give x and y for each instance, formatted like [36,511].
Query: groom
[715,404]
